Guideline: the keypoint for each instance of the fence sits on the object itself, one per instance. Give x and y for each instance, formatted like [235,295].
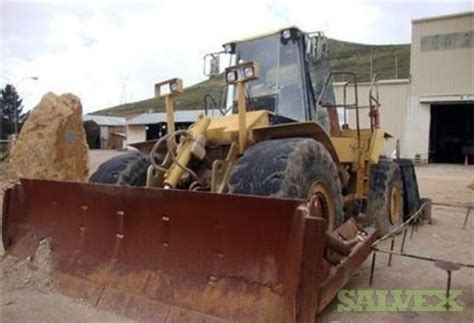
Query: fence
[413,222]
[5,146]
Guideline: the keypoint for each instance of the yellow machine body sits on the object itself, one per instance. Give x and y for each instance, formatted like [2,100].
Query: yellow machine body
[226,130]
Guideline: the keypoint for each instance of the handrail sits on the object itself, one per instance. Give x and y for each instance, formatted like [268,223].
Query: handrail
[356,98]
[213,101]
[374,103]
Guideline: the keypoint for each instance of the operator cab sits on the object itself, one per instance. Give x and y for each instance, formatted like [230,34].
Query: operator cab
[293,66]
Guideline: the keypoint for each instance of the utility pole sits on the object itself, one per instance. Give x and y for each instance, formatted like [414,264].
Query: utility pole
[123,95]
[15,110]
[371,63]
[396,66]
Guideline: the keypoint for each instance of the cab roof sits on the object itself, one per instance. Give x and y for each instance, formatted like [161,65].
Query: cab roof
[264,35]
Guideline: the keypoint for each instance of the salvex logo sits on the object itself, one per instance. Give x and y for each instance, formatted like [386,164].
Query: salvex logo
[398,300]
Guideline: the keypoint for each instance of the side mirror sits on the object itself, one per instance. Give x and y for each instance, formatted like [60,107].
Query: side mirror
[317,45]
[212,64]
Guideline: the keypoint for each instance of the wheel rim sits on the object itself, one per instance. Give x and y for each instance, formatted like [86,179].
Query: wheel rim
[321,194]
[395,202]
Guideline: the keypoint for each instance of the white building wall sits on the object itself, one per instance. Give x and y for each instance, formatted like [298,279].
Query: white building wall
[393,95]
[104,136]
[442,55]
[136,134]
[416,137]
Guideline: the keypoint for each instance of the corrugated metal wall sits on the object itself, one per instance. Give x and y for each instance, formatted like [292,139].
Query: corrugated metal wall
[442,56]
[393,95]
[136,134]
[417,130]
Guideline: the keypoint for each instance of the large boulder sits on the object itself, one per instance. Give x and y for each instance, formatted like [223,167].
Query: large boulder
[52,143]
[471,186]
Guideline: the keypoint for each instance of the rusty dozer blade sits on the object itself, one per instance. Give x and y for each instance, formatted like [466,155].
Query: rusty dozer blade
[167,255]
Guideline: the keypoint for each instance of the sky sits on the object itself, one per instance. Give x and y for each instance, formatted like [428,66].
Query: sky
[113,52]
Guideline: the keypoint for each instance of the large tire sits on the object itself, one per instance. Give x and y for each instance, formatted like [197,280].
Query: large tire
[385,200]
[410,185]
[127,169]
[288,168]
[427,205]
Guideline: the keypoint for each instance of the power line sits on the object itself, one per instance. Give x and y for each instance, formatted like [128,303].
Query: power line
[123,94]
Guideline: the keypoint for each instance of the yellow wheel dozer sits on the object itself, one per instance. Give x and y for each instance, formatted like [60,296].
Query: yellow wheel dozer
[256,214]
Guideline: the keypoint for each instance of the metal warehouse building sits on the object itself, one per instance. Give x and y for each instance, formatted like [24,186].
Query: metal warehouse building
[439,122]
[432,113]
[148,126]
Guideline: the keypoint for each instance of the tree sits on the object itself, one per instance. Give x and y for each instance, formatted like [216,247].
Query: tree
[11,111]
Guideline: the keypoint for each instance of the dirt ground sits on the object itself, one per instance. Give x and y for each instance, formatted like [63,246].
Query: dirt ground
[445,239]
[27,295]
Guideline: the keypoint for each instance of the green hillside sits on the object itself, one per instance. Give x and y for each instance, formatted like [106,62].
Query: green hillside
[345,56]
[356,58]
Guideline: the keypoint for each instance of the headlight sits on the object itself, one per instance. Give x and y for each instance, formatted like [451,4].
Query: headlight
[248,72]
[228,48]
[169,87]
[243,72]
[173,87]
[286,34]
[231,76]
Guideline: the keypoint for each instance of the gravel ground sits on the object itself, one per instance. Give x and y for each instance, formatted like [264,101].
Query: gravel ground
[26,293]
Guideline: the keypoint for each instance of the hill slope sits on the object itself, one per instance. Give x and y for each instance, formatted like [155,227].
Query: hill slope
[344,56]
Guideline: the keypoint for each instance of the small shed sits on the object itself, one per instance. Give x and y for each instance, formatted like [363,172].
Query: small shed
[111,135]
[148,126]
